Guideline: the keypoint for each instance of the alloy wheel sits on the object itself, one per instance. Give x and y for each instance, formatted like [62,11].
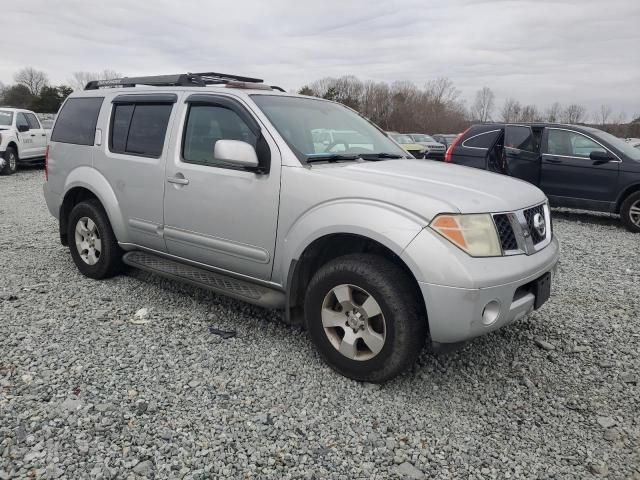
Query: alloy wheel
[634,213]
[88,241]
[353,322]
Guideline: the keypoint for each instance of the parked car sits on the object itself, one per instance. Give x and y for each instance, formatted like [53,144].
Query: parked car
[445,139]
[434,151]
[576,166]
[634,142]
[216,180]
[22,139]
[406,142]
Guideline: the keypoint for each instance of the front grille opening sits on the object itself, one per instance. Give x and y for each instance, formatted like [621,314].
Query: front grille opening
[529,215]
[505,232]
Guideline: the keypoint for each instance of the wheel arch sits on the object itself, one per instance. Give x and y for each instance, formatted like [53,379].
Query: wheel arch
[326,248]
[630,189]
[85,183]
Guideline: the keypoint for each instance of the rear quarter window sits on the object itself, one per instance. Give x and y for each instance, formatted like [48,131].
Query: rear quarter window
[77,121]
[484,140]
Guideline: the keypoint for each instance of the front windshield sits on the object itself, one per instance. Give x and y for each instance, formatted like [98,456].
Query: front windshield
[317,128]
[618,143]
[402,139]
[419,137]
[6,117]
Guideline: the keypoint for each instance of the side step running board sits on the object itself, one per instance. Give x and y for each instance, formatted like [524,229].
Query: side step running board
[219,283]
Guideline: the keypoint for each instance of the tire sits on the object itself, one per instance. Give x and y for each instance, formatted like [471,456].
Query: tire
[399,324]
[94,249]
[630,212]
[10,162]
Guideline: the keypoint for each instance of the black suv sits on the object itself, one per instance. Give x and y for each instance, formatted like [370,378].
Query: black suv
[576,166]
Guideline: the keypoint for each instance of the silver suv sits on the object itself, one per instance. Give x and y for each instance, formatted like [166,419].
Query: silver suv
[216,180]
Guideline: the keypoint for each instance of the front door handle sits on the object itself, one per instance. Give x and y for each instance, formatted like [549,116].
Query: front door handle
[553,160]
[178,180]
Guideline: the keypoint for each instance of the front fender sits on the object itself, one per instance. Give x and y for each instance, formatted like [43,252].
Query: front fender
[89,178]
[386,224]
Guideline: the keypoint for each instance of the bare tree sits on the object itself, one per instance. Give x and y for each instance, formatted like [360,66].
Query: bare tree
[574,113]
[529,114]
[31,78]
[603,114]
[80,79]
[511,110]
[553,113]
[483,105]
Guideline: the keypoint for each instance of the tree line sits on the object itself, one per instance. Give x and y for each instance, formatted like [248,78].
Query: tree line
[32,90]
[437,107]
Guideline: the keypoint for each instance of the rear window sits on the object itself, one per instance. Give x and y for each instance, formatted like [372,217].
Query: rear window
[139,129]
[482,140]
[77,121]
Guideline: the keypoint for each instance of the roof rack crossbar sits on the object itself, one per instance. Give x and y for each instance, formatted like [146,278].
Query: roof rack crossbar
[179,80]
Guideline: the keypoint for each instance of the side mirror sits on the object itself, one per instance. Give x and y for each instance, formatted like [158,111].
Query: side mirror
[236,152]
[600,157]
[23,128]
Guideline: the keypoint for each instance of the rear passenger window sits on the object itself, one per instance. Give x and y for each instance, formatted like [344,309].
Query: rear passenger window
[482,140]
[33,121]
[206,124]
[139,129]
[519,137]
[77,121]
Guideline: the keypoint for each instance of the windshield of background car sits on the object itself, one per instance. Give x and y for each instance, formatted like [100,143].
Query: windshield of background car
[6,118]
[402,138]
[422,138]
[319,128]
[624,147]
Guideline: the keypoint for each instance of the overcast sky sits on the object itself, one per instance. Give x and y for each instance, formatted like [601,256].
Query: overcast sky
[584,51]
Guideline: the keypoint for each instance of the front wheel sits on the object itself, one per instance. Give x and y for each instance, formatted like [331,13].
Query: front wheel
[630,212]
[362,314]
[10,160]
[93,244]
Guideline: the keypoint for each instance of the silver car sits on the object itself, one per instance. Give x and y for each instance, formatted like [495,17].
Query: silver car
[223,182]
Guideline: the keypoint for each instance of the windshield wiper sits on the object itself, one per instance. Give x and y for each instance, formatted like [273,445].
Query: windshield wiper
[376,156]
[335,157]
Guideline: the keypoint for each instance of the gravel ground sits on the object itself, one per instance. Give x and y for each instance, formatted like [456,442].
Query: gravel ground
[89,390]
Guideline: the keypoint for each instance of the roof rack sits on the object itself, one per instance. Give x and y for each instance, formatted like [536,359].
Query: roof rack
[178,80]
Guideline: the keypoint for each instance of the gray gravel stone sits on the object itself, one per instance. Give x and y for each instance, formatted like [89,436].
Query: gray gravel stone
[265,406]
[406,470]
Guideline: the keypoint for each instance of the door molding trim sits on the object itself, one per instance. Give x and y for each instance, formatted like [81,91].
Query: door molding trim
[216,244]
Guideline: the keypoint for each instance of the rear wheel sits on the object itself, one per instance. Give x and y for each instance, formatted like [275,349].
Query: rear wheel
[630,212]
[93,244]
[10,162]
[363,316]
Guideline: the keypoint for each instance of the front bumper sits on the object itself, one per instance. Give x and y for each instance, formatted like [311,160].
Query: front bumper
[435,155]
[465,287]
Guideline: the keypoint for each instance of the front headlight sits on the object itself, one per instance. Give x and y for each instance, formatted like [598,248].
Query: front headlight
[475,234]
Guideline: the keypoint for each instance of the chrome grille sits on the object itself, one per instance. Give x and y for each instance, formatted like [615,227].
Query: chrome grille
[505,232]
[530,215]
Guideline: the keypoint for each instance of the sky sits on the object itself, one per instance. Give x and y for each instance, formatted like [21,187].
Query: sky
[537,51]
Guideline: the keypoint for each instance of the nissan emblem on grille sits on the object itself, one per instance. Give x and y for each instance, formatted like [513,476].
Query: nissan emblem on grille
[539,224]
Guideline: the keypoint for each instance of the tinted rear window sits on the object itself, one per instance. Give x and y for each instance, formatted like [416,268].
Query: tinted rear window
[481,140]
[139,129]
[77,120]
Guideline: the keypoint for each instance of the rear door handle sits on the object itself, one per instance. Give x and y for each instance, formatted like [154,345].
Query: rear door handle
[178,180]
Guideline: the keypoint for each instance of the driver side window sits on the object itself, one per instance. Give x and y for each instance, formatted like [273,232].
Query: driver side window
[206,124]
[21,121]
[572,144]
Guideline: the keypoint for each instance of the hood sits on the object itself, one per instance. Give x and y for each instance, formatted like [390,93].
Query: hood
[428,187]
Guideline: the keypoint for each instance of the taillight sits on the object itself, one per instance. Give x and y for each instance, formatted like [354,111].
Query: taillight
[447,156]
[46,163]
